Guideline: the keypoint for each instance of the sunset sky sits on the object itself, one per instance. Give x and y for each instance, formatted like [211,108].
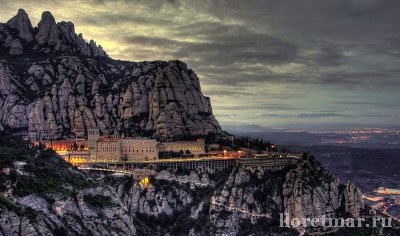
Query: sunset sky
[280,63]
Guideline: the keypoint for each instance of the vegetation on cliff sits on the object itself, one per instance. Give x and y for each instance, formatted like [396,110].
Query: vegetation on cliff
[42,171]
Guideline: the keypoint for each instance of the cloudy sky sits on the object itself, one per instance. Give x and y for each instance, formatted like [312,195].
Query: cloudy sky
[275,63]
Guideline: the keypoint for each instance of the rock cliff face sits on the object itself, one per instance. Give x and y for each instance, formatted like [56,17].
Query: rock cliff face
[55,85]
[73,215]
[240,201]
[257,195]
[312,192]
[121,208]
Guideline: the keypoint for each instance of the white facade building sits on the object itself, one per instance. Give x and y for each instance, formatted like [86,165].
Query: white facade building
[195,147]
[116,149]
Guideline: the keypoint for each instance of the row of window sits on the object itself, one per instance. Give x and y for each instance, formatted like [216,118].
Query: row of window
[125,151]
[183,146]
[129,151]
[108,149]
[139,142]
[113,158]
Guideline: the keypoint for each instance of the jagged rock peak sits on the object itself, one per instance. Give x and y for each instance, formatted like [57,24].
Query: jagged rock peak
[49,36]
[46,28]
[23,24]
[47,17]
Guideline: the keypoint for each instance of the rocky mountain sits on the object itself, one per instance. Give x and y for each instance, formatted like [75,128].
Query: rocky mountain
[258,196]
[53,84]
[36,200]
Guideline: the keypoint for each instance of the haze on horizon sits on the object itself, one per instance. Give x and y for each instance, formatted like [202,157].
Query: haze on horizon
[289,64]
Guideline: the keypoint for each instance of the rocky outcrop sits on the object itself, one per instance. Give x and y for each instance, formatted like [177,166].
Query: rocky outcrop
[73,215]
[310,191]
[166,195]
[16,48]
[49,36]
[105,210]
[306,191]
[243,202]
[12,224]
[193,179]
[23,25]
[62,96]
[8,82]
[353,201]
[48,32]
[248,194]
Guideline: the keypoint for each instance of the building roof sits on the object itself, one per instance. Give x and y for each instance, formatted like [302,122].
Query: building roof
[111,139]
[107,140]
[182,142]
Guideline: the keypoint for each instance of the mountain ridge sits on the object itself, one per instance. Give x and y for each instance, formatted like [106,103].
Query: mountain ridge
[56,85]
[36,200]
[49,36]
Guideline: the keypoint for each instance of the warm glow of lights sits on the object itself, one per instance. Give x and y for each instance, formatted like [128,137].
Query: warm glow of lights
[77,160]
[145,182]
[374,198]
[61,152]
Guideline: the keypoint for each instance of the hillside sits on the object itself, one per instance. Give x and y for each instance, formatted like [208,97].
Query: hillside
[50,197]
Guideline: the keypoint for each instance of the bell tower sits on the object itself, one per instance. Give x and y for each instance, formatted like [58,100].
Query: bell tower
[93,136]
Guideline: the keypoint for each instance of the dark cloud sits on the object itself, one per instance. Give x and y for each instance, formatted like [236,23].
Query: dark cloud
[224,49]
[329,56]
[220,58]
[250,48]
[387,105]
[389,46]
[242,78]
[131,4]
[227,92]
[309,59]
[162,43]
[109,19]
[368,79]
[299,116]
[355,103]
[319,115]
[269,106]
[339,18]
[206,29]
